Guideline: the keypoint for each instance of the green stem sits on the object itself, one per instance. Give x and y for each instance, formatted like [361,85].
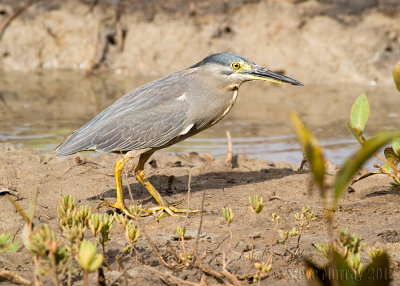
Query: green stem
[385,161]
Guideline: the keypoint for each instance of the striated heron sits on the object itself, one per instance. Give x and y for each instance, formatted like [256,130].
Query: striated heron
[164,112]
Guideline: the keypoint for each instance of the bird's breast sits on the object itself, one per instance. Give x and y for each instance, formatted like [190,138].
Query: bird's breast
[227,105]
[207,111]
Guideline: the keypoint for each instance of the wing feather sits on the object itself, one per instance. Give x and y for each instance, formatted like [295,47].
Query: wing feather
[147,117]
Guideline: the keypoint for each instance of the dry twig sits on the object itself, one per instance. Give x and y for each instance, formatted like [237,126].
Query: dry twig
[229,153]
[174,279]
[227,274]
[10,276]
[196,245]
[155,249]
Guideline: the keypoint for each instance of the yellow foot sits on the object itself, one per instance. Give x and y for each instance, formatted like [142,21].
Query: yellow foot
[168,208]
[122,208]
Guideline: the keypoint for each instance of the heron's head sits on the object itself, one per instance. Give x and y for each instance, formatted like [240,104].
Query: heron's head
[236,69]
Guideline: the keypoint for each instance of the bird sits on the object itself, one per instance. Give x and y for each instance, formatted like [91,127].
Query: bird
[163,112]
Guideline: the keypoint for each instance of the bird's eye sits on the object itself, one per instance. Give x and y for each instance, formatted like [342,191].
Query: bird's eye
[236,66]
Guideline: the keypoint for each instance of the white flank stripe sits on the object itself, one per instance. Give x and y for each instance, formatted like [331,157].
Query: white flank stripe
[181,97]
[187,129]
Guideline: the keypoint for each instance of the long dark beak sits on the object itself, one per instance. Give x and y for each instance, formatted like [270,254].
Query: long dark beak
[259,73]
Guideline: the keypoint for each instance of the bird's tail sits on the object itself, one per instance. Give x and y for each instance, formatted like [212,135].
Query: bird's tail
[71,146]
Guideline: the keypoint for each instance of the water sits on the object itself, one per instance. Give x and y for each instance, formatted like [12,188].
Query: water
[40,110]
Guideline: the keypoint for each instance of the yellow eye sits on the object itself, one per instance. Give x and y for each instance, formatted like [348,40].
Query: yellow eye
[236,66]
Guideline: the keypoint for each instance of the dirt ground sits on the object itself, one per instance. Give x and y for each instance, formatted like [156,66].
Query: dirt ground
[371,211]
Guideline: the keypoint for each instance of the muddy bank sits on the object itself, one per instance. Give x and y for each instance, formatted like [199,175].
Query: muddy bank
[316,42]
[371,211]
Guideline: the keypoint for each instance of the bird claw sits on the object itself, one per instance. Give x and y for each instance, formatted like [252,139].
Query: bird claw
[169,209]
[122,208]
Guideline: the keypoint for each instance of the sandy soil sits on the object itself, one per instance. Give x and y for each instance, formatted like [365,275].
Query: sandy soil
[371,211]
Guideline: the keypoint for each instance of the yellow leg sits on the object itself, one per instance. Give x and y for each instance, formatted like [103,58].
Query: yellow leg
[163,204]
[140,176]
[119,204]
[119,165]
[139,172]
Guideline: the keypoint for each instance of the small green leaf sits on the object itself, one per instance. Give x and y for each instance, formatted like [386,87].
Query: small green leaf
[359,113]
[354,163]
[312,149]
[88,258]
[396,75]
[228,215]
[391,157]
[386,168]
[396,145]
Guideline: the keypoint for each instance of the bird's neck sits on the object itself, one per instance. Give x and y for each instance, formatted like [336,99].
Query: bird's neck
[235,89]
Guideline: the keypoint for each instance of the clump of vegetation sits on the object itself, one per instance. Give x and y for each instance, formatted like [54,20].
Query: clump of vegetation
[101,224]
[303,221]
[52,253]
[337,263]
[349,246]
[54,256]
[256,204]
[132,232]
[73,222]
[344,263]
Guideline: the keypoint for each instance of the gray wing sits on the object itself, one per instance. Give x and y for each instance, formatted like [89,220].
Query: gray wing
[147,117]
